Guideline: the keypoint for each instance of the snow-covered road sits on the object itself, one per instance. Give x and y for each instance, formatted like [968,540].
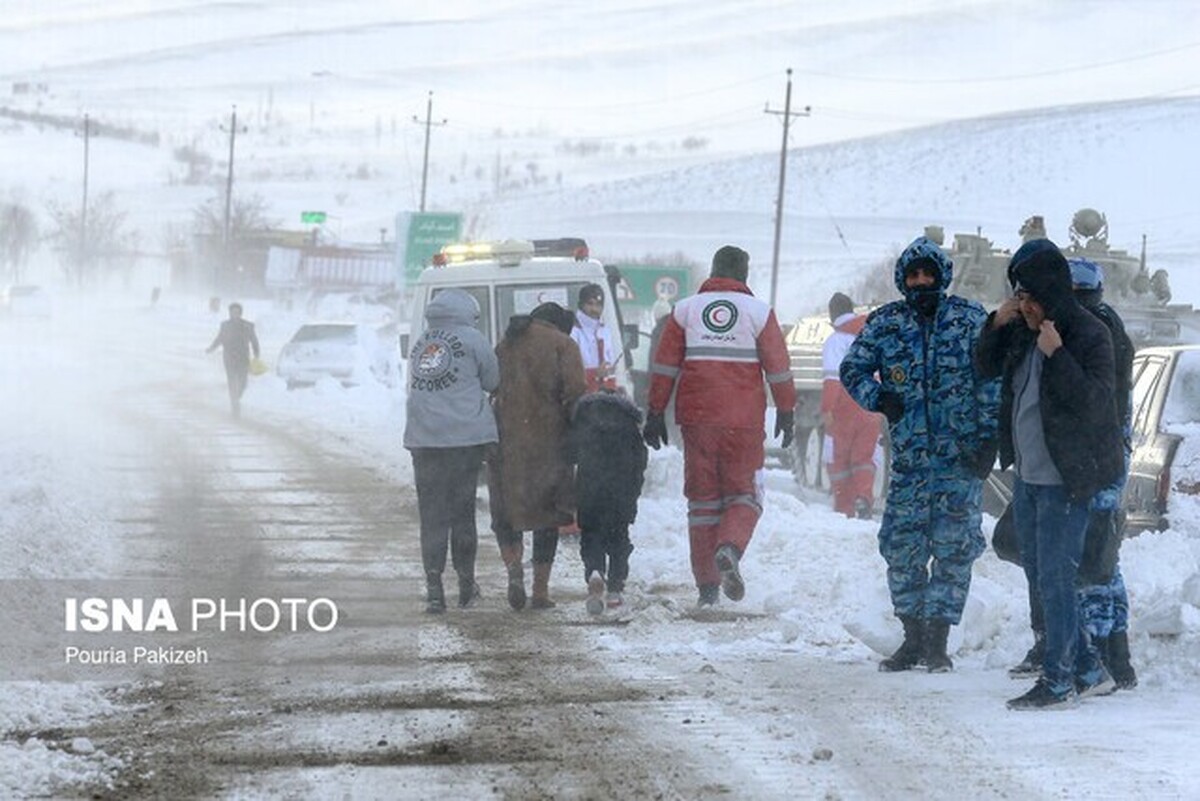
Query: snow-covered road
[777,697]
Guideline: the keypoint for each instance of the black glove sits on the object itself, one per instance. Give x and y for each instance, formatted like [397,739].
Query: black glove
[891,405]
[785,424]
[655,431]
[980,462]
[1101,549]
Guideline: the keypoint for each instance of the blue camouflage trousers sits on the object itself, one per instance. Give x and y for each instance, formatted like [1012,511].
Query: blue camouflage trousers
[930,537]
[1104,608]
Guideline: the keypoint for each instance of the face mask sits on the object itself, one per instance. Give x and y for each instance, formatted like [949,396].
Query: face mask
[925,301]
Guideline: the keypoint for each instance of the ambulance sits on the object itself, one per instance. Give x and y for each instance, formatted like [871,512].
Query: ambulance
[513,277]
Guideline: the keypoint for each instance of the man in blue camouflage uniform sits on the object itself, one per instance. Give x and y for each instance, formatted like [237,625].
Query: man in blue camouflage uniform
[913,363]
[1104,604]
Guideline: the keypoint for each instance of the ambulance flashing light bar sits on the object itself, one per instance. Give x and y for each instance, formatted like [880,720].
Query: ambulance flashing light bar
[507,253]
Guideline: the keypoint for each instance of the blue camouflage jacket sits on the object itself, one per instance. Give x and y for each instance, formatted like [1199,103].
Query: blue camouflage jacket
[950,410]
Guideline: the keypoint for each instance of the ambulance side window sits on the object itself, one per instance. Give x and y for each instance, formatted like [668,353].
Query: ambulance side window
[523,298]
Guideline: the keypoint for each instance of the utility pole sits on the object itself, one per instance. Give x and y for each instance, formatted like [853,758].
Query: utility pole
[428,124]
[83,212]
[225,230]
[787,115]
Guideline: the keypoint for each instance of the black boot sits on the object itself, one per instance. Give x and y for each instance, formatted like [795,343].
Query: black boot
[1118,661]
[1031,665]
[468,590]
[909,652]
[935,658]
[435,596]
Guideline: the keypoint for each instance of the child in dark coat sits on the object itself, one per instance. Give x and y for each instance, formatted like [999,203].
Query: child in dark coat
[610,456]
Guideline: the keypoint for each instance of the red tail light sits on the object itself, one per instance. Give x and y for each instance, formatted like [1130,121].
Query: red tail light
[1164,487]
[581,253]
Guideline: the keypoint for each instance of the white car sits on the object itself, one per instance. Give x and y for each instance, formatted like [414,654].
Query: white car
[351,353]
[25,300]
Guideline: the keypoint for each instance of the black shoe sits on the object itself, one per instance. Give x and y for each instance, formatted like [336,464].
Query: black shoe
[1031,665]
[908,655]
[731,580]
[709,595]
[516,586]
[435,596]
[1042,697]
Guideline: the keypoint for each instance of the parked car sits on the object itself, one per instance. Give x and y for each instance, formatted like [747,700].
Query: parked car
[352,353]
[1166,403]
[25,300]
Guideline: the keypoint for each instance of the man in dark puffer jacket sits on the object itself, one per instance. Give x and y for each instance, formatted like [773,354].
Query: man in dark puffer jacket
[1058,426]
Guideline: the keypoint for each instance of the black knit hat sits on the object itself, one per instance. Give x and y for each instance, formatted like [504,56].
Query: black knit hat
[839,304]
[731,262]
[590,292]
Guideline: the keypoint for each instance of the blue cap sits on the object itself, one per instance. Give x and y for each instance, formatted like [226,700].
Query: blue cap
[1086,274]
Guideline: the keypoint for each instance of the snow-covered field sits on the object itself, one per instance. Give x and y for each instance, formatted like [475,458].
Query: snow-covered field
[327,91]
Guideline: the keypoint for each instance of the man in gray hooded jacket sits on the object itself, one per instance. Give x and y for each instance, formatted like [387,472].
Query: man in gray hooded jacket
[449,422]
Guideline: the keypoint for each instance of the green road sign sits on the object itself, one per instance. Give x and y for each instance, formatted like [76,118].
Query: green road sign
[424,234]
[315,217]
[644,284]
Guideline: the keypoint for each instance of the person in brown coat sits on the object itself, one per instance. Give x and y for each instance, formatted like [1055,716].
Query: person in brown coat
[541,377]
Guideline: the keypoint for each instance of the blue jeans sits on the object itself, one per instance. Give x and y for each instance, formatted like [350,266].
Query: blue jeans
[1050,533]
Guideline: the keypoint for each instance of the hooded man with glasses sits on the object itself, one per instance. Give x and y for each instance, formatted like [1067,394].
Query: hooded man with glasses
[1060,430]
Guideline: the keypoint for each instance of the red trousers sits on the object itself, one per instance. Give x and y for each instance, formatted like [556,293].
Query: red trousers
[723,485]
[852,471]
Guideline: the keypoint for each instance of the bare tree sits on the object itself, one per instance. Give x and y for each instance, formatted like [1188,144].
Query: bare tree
[248,221]
[105,244]
[18,238]
[247,217]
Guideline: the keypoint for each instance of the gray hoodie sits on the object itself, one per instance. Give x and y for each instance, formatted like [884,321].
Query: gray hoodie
[451,370]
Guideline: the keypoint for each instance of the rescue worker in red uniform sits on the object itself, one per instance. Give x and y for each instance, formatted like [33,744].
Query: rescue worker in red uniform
[718,345]
[853,430]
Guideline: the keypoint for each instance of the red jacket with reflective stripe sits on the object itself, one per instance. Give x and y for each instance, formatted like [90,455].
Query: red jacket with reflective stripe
[719,344]
[834,397]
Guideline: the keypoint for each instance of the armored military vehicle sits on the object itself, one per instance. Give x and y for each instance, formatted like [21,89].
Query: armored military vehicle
[1142,298]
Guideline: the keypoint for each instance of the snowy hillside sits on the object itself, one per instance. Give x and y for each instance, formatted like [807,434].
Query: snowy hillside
[848,205]
[638,125]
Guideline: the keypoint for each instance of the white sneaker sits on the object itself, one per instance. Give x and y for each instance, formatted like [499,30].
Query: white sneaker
[613,600]
[595,599]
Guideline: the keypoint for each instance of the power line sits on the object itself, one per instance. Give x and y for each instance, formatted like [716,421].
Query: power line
[729,119]
[83,212]
[1004,78]
[226,231]
[787,115]
[568,108]
[428,124]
